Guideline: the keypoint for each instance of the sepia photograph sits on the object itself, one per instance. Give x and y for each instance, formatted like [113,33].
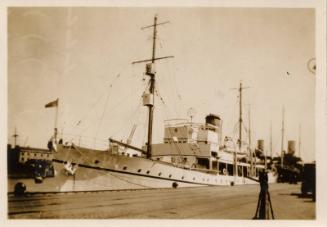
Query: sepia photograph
[162,112]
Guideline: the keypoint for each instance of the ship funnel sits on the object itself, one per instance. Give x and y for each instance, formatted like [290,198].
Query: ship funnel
[291,147]
[216,121]
[213,120]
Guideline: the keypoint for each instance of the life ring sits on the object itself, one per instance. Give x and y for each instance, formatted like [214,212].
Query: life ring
[224,171]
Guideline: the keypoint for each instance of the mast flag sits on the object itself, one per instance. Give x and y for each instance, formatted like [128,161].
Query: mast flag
[52,104]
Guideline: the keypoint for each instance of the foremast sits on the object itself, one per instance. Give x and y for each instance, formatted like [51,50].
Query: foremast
[148,98]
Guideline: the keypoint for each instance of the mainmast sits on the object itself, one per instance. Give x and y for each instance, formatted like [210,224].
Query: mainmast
[240,120]
[148,98]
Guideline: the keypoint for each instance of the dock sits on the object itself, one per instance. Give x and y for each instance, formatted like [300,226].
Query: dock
[221,202]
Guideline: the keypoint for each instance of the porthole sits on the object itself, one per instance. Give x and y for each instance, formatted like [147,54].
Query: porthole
[193,178]
[147,172]
[159,174]
[125,167]
[169,175]
[139,170]
[96,162]
[182,177]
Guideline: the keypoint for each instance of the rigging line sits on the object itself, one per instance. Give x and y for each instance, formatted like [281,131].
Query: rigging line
[164,103]
[97,101]
[114,108]
[104,110]
[137,107]
[132,114]
[123,99]
[131,119]
[179,102]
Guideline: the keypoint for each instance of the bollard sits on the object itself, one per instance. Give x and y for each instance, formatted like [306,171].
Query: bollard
[20,189]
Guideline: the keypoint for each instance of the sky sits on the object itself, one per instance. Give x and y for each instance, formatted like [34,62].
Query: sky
[83,57]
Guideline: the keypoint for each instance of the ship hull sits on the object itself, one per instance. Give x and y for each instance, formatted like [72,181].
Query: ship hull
[119,172]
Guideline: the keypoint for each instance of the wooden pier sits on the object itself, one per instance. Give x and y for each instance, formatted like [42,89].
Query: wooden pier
[224,202]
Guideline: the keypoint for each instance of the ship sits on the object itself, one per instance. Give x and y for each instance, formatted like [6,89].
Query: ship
[191,155]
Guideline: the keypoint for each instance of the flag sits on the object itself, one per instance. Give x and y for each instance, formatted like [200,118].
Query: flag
[52,104]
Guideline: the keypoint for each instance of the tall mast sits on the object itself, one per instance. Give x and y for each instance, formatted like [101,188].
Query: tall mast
[271,153]
[240,89]
[282,145]
[151,90]
[240,120]
[150,71]
[300,141]
[15,137]
[250,126]
[250,142]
